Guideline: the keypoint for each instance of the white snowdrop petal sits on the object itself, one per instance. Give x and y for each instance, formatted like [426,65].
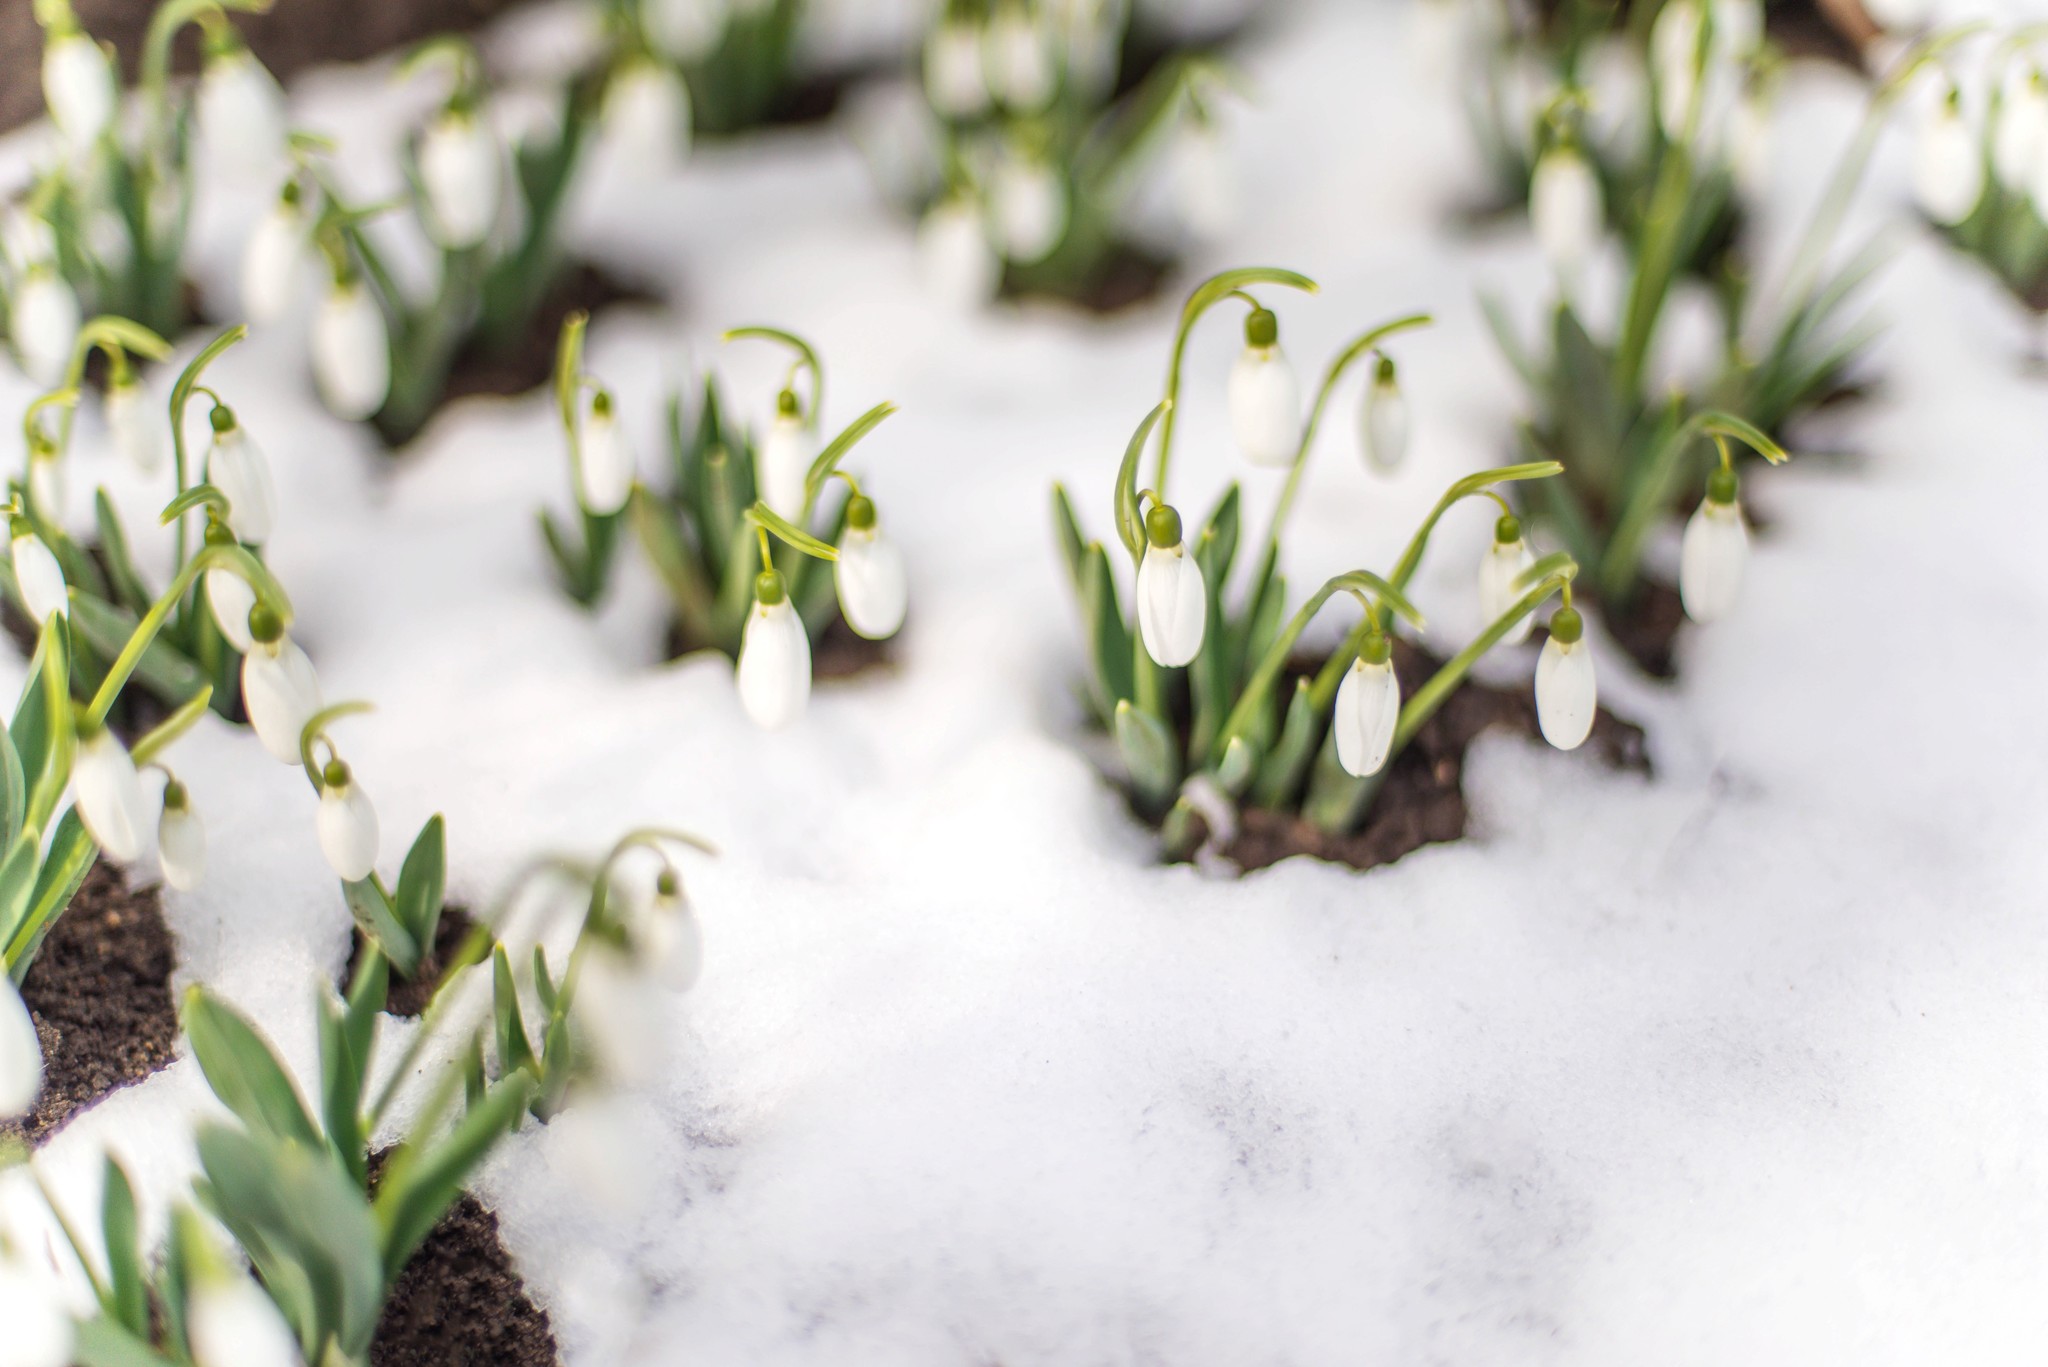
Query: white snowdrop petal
[460,171]
[1565,208]
[273,263]
[110,798]
[181,847]
[44,323]
[955,78]
[1173,605]
[1265,407]
[618,1009]
[673,943]
[2017,134]
[348,831]
[1368,709]
[281,693]
[351,352]
[873,589]
[133,423]
[78,86]
[232,1323]
[1948,174]
[784,461]
[685,31]
[605,475]
[774,670]
[1711,560]
[40,579]
[1501,567]
[647,115]
[1674,60]
[236,466]
[241,113]
[21,1069]
[1566,693]
[1384,426]
[955,256]
[47,486]
[1020,62]
[1031,211]
[229,597]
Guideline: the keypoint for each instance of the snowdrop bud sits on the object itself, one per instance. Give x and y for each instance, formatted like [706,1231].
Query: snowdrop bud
[1020,61]
[2016,142]
[1715,550]
[78,86]
[275,259]
[1265,398]
[1675,62]
[45,325]
[1566,695]
[280,691]
[671,940]
[604,475]
[1948,173]
[785,459]
[686,31]
[110,800]
[647,114]
[1173,602]
[26,240]
[1565,208]
[241,111]
[21,1077]
[459,171]
[955,79]
[873,593]
[1503,566]
[132,423]
[1205,179]
[774,670]
[232,1323]
[180,839]
[46,487]
[1368,710]
[1383,422]
[351,351]
[38,575]
[237,468]
[958,262]
[1031,211]
[348,824]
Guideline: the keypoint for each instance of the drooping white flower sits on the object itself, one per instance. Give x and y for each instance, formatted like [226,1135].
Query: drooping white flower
[347,824]
[955,77]
[110,798]
[351,351]
[1265,398]
[21,1077]
[1019,61]
[1205,179]
[618,1009]
[460,171]
[229,597]
[1711,558]
[670,941]
[1948,172]
[26,240]
[237,468]
[955,256]
[1367,711]
[1749,142]
[647,114]
[180,839]
[38,575]
[1618,86]
[46,484]
[604,472]
[232,1323]
[134,425]
[274,261]
[685,31]
[241,112]
[281,693]
[1675,59]
[873,589]
[44,322]
[1383,420]
[1566,692]
[2022,127]
[1173,601]
[78,86]
[1500,569]
[1029,201]
[774,670]
[784,459]
[1565,208]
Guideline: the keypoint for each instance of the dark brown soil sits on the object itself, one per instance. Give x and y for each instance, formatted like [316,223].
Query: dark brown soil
[409,996]
[100,995]
[1123,279]
[460,1302]
[1647,627]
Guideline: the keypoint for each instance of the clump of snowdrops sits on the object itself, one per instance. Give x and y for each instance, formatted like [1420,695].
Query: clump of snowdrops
[733,55]
[1039,155]
[1190,672]
[743,531]
[290,1243]
[101,229]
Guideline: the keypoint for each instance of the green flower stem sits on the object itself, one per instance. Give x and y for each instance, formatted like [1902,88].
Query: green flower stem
[161,736]
[767,520]
[1652,487]
[1428,698]
[807,358]
[181,395]
[164,26]
[315,729]
[1479,483]
[1208,293]
[827,464]
[209,557]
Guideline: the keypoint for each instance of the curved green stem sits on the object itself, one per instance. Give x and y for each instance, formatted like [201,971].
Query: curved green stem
[1428,698]
[222,556]
[1470,485]
[161,736]
[767,520]
[1130,524]
[827,463]
[1210,292]
[1652,488]
[315,729]
[181,395]
[806,356]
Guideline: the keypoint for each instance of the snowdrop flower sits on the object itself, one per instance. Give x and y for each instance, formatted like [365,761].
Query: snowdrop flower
[45,321]
[110,800]
[348,824]
[954,254]
[1948,173]
[241,110]
[2016,139]
[78,86]
[274,261]
[37,574]
[671,942]
[647,113]
[21,1077]
[1205,180]
[351,351]
[869,574]
[774,670]
[1565,207]
[228,595]
[459,171]
[1749,142]
[237,468]
[1019,61]
[687,31]
[1566,694]
[1173,602]
[280,691]
[1265,398]
[1714,551]
[618,1008]
[26,240]
[785,459]
[1031,210]
[180,839]
[132,423]
[1675,61]
[1620,93]
[46,486]
[1383,419]
[233,1323]
[1499,572]
[604,459]
[955,79]
[1368,709]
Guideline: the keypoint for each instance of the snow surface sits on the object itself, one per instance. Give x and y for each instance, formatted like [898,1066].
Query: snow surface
[1744,1063]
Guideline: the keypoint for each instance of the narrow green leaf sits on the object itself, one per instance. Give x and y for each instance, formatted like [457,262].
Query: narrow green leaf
[378,920]
[341,1091]
[423,882]
[514,1049]
[122,577]
[128,1295]
[244,1073]
[13,792]
[106,1343]
[1149,755]
[415,1194]
[68,859]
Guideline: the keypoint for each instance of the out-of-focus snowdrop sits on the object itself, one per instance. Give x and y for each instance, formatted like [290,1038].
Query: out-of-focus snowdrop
[21,1078]
[48,490]
[1500,572]
[604,458]
[241,108]
[133,421]
[1714,551]
[1205,179]
[37,574]
[1617,95]
[351,351]
[773,672]
[275,259]
[1030,207]
[44,321]
[647,115]
[686,31]
[1899,16]
[1265,397]
[461,176]
[955,256]
[955,72]
[1565,208]
[78,82]
[232,1323]
[1948,166]
[873,588]
[2018,133]
[1383,419]
[1021,67]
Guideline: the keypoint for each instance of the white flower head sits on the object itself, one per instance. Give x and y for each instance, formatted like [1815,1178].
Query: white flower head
[955,76]
[1383,419]
[1948,168]
[180,839]
[241,110]
[604,464]
[44,322]
[1714,552]
[280,691]
[647,114]
[109,793]
[686,31]
[1265,397]
[351,351]
[1500,571]
[774,669]
[869,574]
[1022,72]
[37,574]
[134,424]
[1567,695]
[2021,129]
[229,598]
[1029,201]
[236,467]
[955,256]
[1368,709]
[274,261]
[1173,600]
[670,941]
[1565,208]
[21,1076]
[784,461]
[26,240]
[232,1322]
[78,86]
[347,824]
[461,170]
